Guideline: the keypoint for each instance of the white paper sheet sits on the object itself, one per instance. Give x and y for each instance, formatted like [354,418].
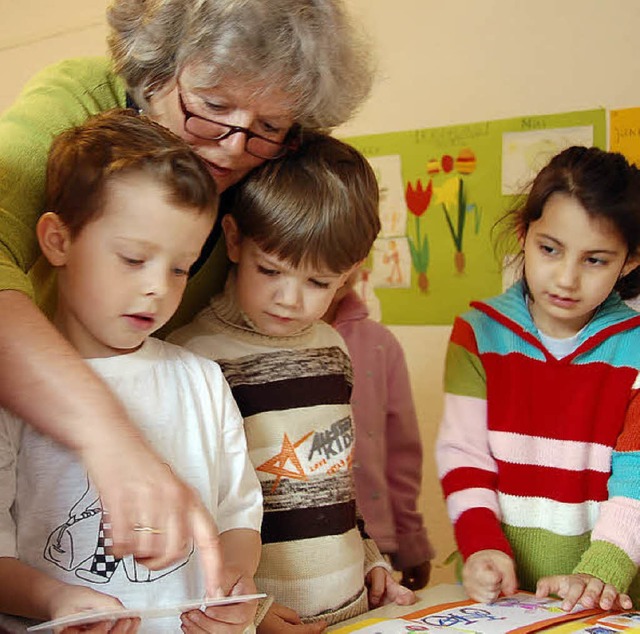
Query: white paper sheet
[83,618]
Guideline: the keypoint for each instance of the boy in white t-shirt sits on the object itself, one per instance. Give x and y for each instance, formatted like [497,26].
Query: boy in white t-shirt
[131,206]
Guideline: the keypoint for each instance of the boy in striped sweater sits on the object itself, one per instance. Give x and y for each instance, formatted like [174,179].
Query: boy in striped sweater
[299,227]
[538,385]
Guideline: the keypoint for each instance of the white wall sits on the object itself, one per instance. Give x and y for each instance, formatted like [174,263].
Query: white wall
[440,62]
[454,61]
[34,33]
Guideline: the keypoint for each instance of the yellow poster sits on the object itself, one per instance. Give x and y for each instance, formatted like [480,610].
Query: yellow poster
[624,133]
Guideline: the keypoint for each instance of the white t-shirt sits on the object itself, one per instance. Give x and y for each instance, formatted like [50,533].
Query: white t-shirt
[560,348]
[51,516]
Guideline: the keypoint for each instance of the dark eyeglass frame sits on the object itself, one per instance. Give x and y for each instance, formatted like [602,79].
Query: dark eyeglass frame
[291,142]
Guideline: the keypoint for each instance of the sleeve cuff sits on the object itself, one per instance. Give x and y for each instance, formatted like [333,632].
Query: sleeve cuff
[373,558]
[263,608]
[479,529]
[609,564]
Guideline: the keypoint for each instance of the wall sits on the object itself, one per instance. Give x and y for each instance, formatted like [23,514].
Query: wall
[440,63]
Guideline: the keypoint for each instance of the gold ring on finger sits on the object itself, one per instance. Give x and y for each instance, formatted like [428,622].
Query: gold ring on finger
[139,528]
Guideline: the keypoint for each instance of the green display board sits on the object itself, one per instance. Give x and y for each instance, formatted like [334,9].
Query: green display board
[442,190]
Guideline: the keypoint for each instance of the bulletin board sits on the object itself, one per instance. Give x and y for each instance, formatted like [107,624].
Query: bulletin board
[442,190]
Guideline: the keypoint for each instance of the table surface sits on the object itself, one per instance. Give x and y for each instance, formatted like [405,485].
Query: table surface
[443,593]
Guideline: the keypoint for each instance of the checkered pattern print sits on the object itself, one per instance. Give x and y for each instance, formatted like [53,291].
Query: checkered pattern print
[103,564]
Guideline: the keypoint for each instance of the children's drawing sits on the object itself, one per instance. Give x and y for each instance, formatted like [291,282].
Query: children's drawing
[447,163]
[451,195]
[455,210]
[443,190]
[524,154]
[418,201]
[466,161]
[391,263]
[393,213]
[433,166]
[392,258]
[363,286]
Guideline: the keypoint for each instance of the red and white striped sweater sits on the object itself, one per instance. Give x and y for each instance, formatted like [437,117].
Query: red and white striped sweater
[524,450]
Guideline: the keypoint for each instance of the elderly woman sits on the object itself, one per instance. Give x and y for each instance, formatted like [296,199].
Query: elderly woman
[239,80]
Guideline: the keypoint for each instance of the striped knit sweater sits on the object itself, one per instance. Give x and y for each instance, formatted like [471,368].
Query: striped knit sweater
[614,554]
[294,395]
[524,449]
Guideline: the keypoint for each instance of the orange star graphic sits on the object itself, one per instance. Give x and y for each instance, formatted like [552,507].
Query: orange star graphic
[276,465]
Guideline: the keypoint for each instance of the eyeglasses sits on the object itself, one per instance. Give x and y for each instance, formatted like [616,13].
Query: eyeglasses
[254,144]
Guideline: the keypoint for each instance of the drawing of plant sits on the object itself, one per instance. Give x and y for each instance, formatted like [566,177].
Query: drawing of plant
[453,198]
[418,200]
[457,232]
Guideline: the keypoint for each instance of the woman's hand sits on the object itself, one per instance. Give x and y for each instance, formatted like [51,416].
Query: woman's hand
[154,515]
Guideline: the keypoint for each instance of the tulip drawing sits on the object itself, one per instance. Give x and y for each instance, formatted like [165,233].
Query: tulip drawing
[418,200]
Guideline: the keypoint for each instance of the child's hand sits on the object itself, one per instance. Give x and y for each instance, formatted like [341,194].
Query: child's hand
[487,574]
[234,618]
[383,588]
[588,591]
[123,626]
[280,620]
[69,599]
[416,577]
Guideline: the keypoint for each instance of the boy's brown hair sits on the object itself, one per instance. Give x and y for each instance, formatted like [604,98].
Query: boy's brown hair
[318,206]
[84,159]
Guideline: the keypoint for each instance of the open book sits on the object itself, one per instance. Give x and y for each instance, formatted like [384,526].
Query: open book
[519,614]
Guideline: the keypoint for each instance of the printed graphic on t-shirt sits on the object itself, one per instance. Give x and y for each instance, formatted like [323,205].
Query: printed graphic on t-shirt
[83,544]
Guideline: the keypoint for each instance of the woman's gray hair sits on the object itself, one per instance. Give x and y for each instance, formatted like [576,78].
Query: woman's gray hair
[307,48]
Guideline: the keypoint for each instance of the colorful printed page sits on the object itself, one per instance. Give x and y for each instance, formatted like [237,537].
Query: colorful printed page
[606,623]
[518,614]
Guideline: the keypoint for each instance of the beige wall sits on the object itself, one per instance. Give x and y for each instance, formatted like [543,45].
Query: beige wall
[441,62]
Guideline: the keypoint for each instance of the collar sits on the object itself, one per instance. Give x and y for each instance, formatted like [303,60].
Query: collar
[225,309]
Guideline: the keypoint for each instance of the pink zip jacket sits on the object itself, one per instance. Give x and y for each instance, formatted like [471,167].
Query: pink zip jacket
[388,452]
